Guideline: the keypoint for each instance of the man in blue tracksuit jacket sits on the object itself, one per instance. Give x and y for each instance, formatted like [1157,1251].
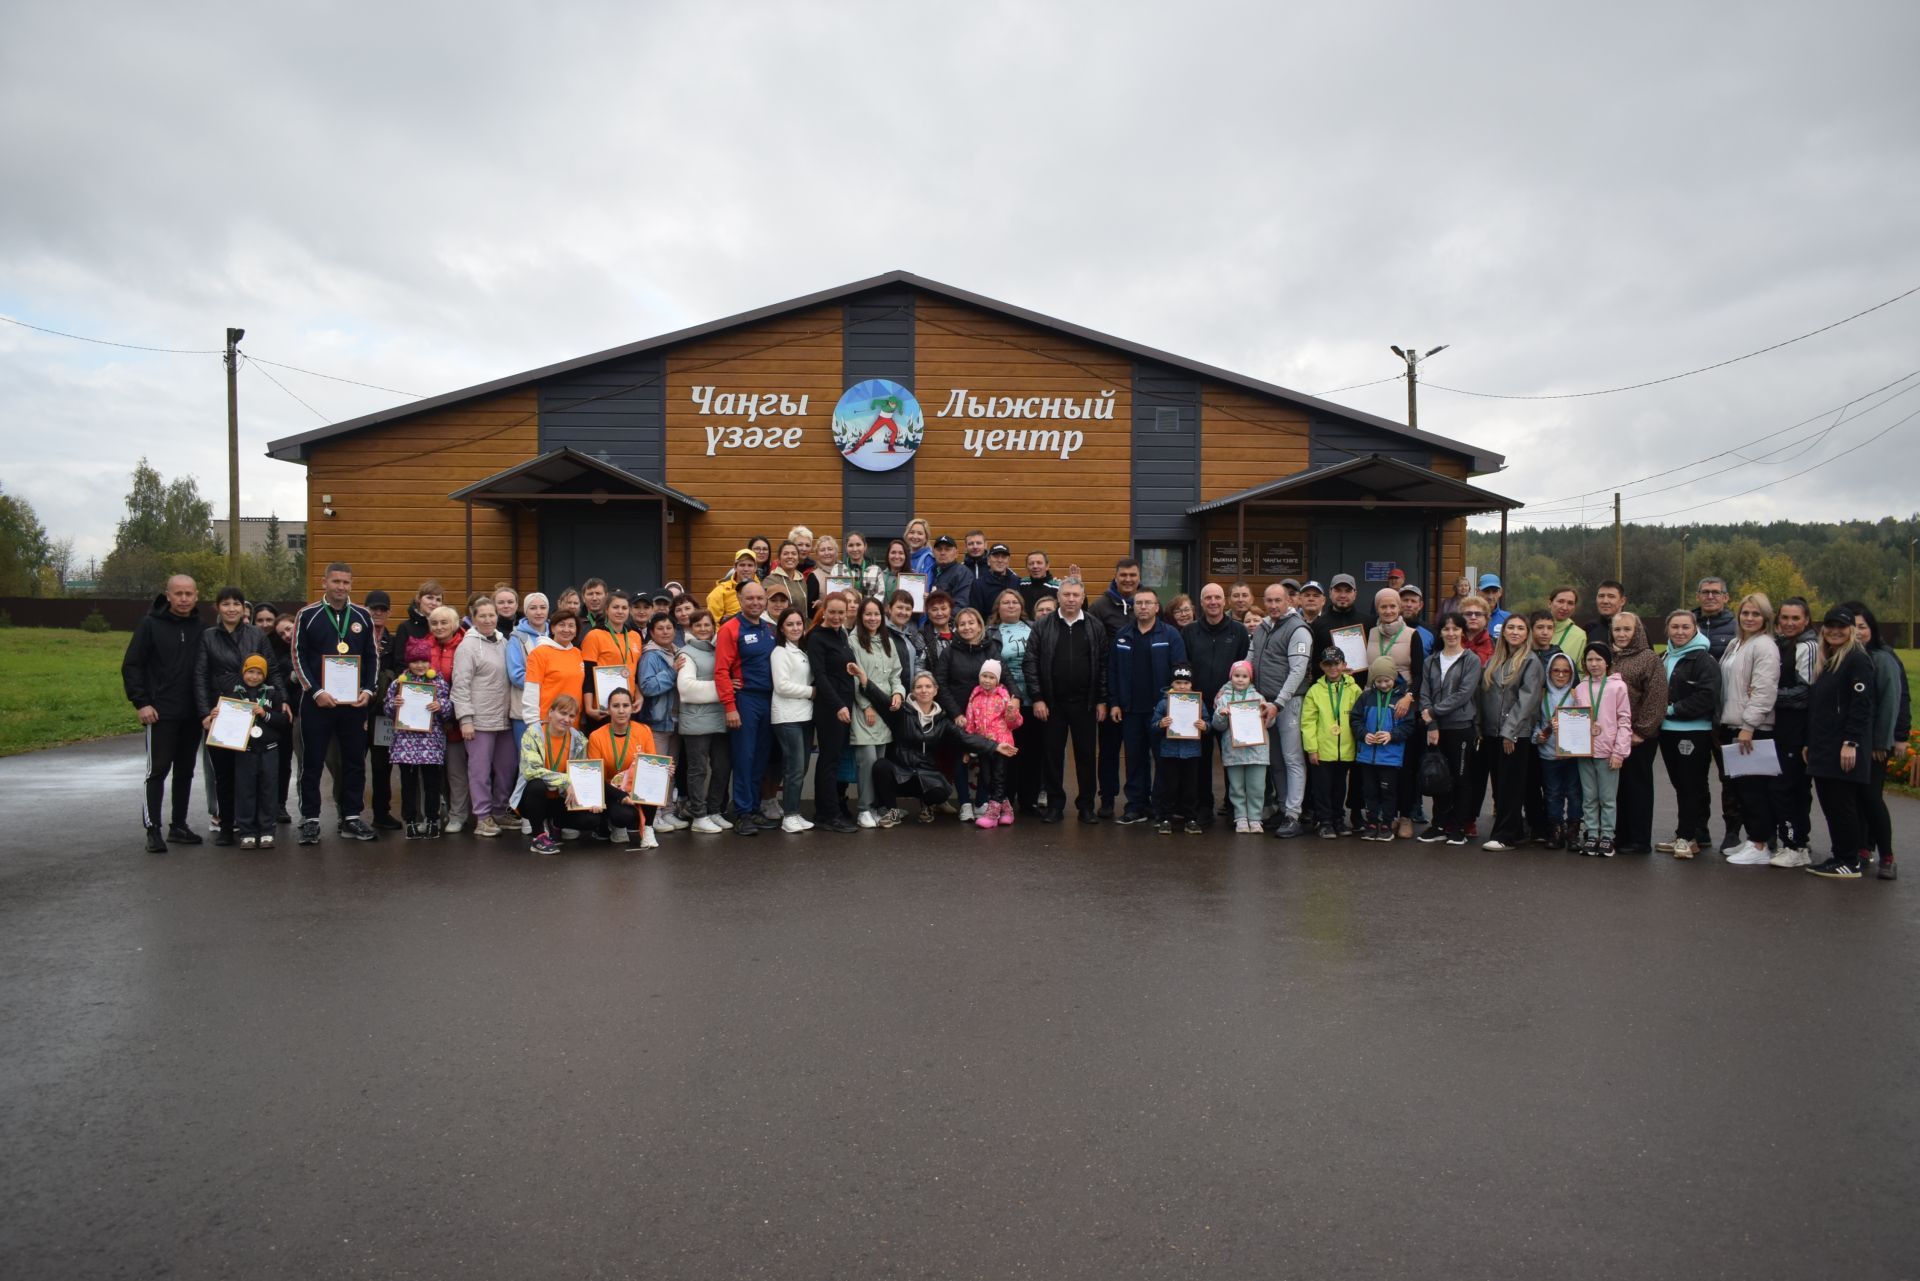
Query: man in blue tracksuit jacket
[1139,669]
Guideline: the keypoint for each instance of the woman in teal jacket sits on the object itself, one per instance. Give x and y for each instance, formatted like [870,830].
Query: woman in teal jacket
[1686,732]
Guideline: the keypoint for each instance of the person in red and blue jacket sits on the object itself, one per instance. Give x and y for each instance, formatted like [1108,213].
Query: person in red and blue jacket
[1139,669]
[743,678]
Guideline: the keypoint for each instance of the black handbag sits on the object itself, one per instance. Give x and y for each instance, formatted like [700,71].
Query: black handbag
[1436,778]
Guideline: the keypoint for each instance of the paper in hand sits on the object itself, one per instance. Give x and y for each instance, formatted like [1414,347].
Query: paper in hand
[1246,725]
[652,779]
[413,710]
[589,784]
[1184,711]
[340,677]
[232,725]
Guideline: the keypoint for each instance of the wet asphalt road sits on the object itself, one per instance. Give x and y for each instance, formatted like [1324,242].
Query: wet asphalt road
[1045,1052]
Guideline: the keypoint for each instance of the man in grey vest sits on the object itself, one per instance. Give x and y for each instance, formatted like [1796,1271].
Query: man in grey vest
[1281,653]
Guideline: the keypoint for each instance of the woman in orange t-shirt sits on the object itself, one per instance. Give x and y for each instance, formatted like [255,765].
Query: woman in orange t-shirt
[615,745]
[554,667]
[614,645]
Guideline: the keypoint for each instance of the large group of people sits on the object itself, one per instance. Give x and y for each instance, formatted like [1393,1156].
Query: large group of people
[926,678]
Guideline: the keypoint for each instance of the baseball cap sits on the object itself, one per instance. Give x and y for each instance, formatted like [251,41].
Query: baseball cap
[1312,585]
[999,549]
[379,600]
[1413,588]
[945,540]
[1344,580]
[1332,654]
[745,552]
[1489,580]
[1291,584]
[1838,616]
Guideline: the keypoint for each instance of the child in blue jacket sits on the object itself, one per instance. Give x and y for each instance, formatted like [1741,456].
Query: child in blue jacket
[1380,746]
[1177,788]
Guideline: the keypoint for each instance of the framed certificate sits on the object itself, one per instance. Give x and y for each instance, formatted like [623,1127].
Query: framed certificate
[413,709]
[608,679]
[1573,732]
[232,725]
[1184,711]
[652,779]
[340,677]
[1352,641]
[1245,724]
[915,585]
[589,783]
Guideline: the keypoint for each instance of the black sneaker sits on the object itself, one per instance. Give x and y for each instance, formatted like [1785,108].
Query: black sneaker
[283,819]
[1105,811]
[1889,870]
[1836,869]
[223,837]
[1329,831]
[1457,838]
[1129,817]
[432,831]
[1733,840]
[413,831]
[1164,826]
[355,830]
[1194,827]
[386,822]
[309,832]
[1288,829]
[156,843]
[181,834]
[1089,817]
[833,825]
[1052,815]
[1433,835]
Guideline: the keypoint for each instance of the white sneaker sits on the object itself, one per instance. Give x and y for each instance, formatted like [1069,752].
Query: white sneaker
[452,826]
[618,835]
[771,808]
[966,813]
[725,822]
[1496,846]
[1751,856]
[1792,856]
[648,841]
[526,827]
[664,821]
[569,833]
[794,823]
[867,819]
[708,825]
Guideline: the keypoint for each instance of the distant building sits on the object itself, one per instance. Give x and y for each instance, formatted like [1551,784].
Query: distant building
[253,535]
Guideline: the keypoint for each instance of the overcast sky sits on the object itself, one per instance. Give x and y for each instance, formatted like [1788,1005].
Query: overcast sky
[427,196]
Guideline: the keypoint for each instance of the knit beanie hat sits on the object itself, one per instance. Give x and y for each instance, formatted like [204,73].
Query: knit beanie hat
[1381,666]
[254,663]
[1243,666]
[419,649]
[991,668]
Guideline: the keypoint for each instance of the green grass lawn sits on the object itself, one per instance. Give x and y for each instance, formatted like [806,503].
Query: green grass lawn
[59,685]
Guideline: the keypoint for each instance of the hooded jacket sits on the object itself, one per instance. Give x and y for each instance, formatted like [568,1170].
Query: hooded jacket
[1646,680]
[957,671]
[1892,710]
[1509,707]
[393,655]
[1452,694]
[1228,697]
[916,741]
[792,685]
[1553,700]
[1373,714]
[1799,663]
[659,689]
[1840,711]
[1112,609]
[158,668]
[520,643]
[482,696]
[700,710]
[1749,683]
[1693,687]
[1326,719]
[1612,721]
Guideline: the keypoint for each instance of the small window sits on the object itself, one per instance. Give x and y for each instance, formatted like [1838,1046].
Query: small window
[1167,420]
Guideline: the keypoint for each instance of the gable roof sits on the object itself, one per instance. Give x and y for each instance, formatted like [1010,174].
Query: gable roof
[562,471]
[1370,478]
[294,448]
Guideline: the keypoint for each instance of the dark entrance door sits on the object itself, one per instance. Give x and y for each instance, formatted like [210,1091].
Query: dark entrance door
[619,542]
[1367,551]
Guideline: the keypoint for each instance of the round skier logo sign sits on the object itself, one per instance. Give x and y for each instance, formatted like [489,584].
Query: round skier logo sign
[877,425]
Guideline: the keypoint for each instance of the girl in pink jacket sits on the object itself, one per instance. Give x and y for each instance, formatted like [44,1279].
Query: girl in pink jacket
[993,713]
[1601,691]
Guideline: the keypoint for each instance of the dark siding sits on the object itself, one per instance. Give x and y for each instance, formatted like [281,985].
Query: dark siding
[879,344]
[1329,443]
[616,412]
[1166,453]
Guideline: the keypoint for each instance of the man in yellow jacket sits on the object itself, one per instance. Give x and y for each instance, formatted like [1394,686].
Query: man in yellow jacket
[724,600]
[1326,732]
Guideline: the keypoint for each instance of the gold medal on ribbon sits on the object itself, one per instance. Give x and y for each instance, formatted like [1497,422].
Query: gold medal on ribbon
[341,648]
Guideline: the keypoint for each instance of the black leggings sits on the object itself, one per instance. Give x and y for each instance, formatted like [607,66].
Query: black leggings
[546,810]
[1688,755]
[1879,822]
[1508,770]
[1633,829]
[1846,805]
[829,802]
[1458,808]
[420,792]
[1753,807]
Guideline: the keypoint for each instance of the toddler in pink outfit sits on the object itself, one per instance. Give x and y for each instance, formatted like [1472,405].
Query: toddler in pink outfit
[993,713]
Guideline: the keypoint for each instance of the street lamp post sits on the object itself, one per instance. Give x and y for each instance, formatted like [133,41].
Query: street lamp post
[1413,356]
[1683,567]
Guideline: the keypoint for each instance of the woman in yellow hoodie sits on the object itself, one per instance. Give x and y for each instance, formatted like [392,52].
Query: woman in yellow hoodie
[724,600]
[1328,738]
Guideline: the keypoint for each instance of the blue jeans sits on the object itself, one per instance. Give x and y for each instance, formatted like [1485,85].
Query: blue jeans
[793,736]
[751,744]
[1561,781]
[1136,736]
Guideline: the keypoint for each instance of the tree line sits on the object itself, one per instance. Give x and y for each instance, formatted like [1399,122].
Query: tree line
[1825,562]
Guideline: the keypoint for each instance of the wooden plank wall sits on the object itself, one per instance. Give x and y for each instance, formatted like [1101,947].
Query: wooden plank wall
[1247,440]
[759,491]
[392,520]
[1074,509]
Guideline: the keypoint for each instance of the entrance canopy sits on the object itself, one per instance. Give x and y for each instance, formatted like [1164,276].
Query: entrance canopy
[1366,484]
[572,486]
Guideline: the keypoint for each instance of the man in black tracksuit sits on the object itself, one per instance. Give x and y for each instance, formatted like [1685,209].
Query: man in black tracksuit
[157,674]
[1214,644]
[1113,609]
[1791,790]
[331,627]
[1066,672]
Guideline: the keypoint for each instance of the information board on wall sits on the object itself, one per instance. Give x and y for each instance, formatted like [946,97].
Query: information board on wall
[1229,558]
[1377,570]
[1282,560]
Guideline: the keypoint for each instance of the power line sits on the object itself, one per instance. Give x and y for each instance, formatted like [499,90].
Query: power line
[1553,504]
[255,366]
[1655,382]
[314,373]
[1357,386]
[104,342]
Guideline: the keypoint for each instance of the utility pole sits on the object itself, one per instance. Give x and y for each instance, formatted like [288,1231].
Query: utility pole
[1911,633]
[233,454]
[1683,567]
[1619,552]
[1413,356]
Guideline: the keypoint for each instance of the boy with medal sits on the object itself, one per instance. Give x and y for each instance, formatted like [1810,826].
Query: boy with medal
[333,626]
